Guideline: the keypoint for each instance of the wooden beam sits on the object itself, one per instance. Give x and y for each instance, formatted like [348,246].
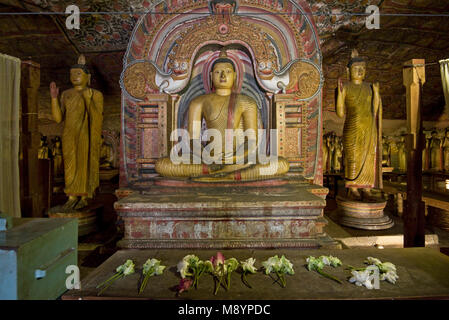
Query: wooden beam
[414,217]
[26,35]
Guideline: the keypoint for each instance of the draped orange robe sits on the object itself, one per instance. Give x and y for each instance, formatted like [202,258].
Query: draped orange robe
[81,141]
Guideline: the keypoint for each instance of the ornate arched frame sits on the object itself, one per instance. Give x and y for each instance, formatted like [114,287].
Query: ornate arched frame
[163,40]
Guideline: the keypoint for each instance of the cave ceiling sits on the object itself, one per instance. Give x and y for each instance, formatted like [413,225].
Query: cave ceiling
[103,39]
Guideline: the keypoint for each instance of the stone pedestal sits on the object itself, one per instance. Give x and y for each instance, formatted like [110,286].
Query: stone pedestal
[87,217]
[108,174]
[363,215]
[172,214]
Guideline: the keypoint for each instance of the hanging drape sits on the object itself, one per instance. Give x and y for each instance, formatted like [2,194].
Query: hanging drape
[444,68]
[9,135]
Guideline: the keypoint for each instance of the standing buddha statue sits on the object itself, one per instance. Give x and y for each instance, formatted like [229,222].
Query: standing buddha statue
[402,155]
[446,150]
[337,155]
[57,157]
[435,151]
[385,152]
[81,109]
[360,102]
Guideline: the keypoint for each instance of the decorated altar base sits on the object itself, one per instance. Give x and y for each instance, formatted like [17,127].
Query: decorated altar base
[275,50]
[423,273]
[179,214]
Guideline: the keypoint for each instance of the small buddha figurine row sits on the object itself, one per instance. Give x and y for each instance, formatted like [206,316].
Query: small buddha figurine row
[55,152]
[42,152]
[332,153]
[435,153]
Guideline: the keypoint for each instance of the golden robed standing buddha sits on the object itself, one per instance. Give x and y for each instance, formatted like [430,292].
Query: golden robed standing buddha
[81,109]
[360,102]
[222,110]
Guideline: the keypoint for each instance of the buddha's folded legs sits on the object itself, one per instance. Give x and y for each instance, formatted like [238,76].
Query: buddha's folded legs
[166,168]
[201,172]
[252,173]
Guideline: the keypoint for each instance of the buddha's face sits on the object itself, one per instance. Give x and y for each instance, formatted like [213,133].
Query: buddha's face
[223,75]
[78,77]
[357,71]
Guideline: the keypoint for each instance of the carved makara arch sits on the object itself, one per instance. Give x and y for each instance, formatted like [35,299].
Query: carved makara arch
[221,26]
[163,57]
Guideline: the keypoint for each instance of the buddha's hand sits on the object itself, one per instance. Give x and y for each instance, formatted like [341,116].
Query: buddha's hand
[54,90]
[214,167]
[87,94]
[376,87]
[341,86]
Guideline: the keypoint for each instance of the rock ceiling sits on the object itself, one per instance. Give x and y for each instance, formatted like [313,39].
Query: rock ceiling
[103,39]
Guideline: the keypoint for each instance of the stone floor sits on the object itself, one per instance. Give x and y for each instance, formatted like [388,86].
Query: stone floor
[389,238]
[96,248]
[423,273]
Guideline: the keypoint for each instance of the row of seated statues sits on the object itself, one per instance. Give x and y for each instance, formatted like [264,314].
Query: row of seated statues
[332,153]
[54,151]
[437,150]
[435,155]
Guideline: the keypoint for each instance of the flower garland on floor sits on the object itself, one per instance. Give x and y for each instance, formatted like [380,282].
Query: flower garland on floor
[191,269]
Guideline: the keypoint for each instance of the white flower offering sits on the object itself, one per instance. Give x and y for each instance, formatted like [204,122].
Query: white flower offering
[317,264]
[121,271]
[385,271]
[231,265]
[362,278]
[247,267]
[280,266]
[152,267]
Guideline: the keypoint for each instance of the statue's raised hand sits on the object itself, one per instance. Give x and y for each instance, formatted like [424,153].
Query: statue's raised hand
[87,94]
[54,90]
[341,86]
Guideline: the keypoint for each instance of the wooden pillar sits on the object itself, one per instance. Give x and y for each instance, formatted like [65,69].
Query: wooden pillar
[30,140]
[414,219]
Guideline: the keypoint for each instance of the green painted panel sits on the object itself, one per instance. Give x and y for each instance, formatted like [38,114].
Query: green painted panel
[49,245]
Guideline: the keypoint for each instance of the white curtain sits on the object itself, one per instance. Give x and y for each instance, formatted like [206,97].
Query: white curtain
[444,68]
[9,135]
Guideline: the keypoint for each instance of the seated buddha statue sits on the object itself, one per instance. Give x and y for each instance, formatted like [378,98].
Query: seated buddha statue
[226,113]
[106,155]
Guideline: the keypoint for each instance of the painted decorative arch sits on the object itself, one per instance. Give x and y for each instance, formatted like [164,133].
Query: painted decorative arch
[279,35]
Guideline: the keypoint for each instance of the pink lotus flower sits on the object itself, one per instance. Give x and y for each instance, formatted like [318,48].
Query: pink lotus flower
[217,260]
[184,285]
